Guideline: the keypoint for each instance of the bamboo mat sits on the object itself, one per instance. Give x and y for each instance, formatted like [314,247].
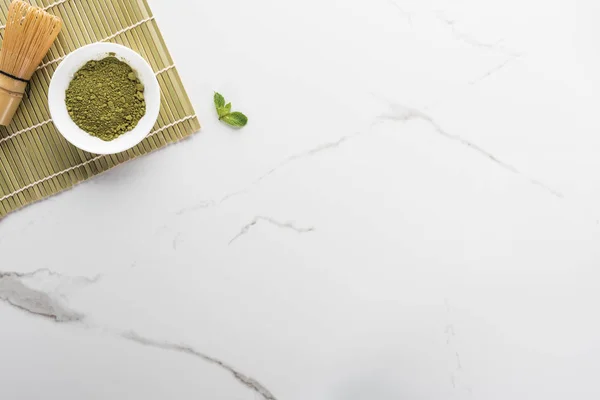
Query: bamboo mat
[35,160]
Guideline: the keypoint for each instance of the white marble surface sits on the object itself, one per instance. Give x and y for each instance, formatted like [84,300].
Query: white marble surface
[412,213]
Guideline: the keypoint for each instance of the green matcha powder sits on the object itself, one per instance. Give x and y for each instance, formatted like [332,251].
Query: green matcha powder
[105,98]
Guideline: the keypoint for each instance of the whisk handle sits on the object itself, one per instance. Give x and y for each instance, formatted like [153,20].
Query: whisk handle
[11,94]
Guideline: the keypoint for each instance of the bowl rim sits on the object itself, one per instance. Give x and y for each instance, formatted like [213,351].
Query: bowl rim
[65,125]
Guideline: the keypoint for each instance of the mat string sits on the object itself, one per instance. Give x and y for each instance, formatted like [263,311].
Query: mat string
[12,135]
[83,164]
[165,69]
[25,130]
[114,35]
[56,3]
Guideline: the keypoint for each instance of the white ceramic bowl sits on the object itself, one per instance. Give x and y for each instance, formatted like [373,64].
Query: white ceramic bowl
[60,82]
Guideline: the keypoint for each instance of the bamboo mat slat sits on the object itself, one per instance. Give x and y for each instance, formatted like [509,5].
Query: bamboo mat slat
[35,160]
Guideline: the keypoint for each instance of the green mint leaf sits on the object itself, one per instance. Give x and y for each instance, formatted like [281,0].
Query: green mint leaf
[236,119]
[222,111]
[219,101]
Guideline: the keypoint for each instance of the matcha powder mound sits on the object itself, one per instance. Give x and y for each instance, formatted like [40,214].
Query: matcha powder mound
[105,98]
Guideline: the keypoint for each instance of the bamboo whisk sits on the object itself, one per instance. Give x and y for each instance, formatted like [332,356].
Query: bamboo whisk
[30,31]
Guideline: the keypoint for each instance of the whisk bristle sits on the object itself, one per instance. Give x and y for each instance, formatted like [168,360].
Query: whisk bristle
[30,31]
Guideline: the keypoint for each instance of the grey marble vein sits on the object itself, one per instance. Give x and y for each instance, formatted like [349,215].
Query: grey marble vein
[14,292]
[404,13]
[176,240]
[494,70]
[283,225]
[471,40]
[198,206]
[49,272]
[289,160]
[399,113]
[251,383]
